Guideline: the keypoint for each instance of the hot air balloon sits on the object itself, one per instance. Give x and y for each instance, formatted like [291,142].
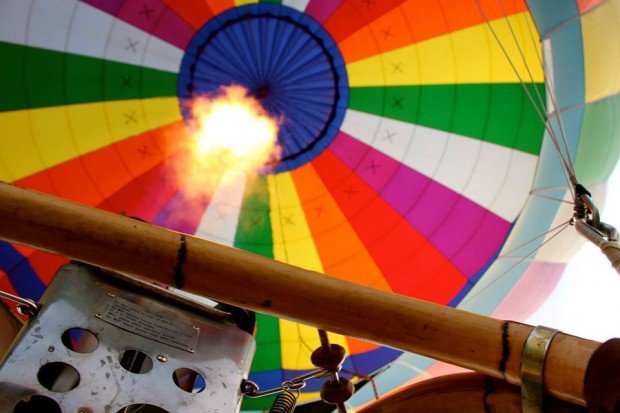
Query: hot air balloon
[426,148]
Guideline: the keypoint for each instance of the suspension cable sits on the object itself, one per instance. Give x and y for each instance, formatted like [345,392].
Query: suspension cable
[566,168]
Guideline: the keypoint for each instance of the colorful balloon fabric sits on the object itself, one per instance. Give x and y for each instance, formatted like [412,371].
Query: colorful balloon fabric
[413,157]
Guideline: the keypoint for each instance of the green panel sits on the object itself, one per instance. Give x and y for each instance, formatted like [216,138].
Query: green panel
[35,78]
[599,144]
[254,227]
[12,77]
[498,113]
[254,235]
[271,1]
[261,404]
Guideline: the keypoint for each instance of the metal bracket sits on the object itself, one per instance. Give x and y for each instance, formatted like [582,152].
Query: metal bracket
[25,306]
[532,367]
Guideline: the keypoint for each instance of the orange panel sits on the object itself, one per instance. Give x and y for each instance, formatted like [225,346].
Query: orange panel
[219,6]
[388,32]
[358,346]
[341,251]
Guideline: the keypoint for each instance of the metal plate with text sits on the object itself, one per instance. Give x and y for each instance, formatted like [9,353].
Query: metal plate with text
[159,324]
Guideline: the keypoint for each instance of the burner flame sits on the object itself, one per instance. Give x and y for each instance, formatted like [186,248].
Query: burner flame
[232,134]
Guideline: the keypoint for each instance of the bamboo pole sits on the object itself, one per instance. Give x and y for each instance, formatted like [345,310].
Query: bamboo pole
[492,347]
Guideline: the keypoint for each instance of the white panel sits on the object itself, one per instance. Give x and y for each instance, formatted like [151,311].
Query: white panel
[128,44]
[459,158]
[89,32]
[49,23]
[489,174]
[517,185]
[78,28]
[296,4]
[361,125]
[493,176]
[162,55]
[426,150]
[14,16]
[219,222]
[389,136]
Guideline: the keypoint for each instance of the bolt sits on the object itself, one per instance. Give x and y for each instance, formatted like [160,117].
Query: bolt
[112,295]
[191,350]
[162,358]
[97,315]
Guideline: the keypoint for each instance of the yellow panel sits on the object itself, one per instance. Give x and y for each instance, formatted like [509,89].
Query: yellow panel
[131,117]
[292,243]
[471,55]
[242,2]
[19,152]
[601,32]
[89,127]
[37,139]
[5,176]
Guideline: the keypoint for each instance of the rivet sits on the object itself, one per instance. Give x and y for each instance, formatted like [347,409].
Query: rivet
[162,358]
[112,295]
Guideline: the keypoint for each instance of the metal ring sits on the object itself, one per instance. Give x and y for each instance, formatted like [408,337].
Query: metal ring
[532,367]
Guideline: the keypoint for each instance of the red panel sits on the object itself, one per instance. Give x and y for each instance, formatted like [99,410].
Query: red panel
[92,178]
[410,264]
[415,21]
[352,15]
[585,5]
[195,12]
[5,285]
[147,194]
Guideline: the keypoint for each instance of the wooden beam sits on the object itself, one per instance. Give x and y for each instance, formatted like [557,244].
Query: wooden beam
[492,347]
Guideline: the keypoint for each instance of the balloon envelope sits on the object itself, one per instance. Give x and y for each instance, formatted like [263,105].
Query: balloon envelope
[414,154]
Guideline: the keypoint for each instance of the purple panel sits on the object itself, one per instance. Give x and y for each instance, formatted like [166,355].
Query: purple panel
[367,363]
[405,188]
[174,29]
[182,213]
[321,9]
[466,233]
[109,6]
[375,168]
[479,235]
[151,16]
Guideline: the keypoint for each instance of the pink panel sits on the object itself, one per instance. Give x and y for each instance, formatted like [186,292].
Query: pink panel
[530,292]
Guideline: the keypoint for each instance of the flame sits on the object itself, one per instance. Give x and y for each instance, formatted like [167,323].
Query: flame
[232,135]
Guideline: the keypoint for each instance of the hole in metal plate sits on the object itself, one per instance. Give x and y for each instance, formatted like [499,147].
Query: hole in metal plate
[189,380]
[136,361]
[58,377]
[80,340]
[37,404]
[142,408]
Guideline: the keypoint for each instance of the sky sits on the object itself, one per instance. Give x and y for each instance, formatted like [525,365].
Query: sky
[586,302]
